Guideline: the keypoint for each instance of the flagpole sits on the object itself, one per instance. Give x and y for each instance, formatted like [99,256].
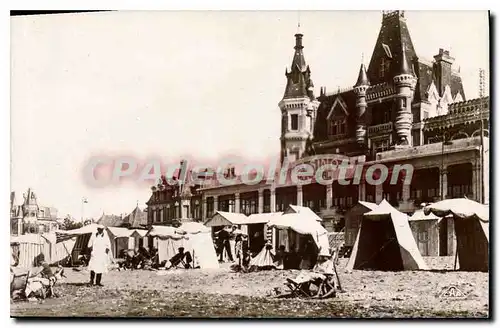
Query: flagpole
[84,201]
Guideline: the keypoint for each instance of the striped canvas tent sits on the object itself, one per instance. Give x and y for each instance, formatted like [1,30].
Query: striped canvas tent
[29,246]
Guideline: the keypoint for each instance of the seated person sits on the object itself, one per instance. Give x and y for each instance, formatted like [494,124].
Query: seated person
[308,256]
[144,252]
[41,278]
[324,264]
[177,258]
[292,261]
[42,269]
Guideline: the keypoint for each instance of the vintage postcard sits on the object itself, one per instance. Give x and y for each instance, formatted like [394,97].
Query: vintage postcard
[184,164]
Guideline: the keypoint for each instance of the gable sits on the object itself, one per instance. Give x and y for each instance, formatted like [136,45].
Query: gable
[339,108]
[432,93]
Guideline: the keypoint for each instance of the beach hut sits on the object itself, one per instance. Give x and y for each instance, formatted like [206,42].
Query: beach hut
[192,236]
[295,230]
[121,239]
[471,221]
[435,236]
[385,242]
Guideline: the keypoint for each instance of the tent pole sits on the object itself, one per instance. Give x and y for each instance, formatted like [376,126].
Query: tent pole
[337,275]
[456,258]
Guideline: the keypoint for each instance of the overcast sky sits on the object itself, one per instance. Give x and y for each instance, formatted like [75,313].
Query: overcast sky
[175,83]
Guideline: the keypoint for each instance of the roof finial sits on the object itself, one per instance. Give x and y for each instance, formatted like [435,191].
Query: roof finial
[298,22]
[363,58]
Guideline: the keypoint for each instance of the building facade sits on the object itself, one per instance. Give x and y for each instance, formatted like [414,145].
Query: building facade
[401,109]
[29,217]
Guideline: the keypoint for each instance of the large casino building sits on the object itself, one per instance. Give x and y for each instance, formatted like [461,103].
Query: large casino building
[401,109]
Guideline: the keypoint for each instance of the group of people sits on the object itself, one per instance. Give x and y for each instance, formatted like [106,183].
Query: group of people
[223,239]
[139,258]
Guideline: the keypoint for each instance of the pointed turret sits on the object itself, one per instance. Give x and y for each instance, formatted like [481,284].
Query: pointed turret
[360,90]
[299,61]
[404,68]
[362,77]
[299,83]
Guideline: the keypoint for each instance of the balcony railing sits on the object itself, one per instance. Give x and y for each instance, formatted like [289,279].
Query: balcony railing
[380,128]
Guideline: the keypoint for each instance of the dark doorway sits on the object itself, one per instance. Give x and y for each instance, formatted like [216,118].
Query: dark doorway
[256,237]
[378,247]
[443,237]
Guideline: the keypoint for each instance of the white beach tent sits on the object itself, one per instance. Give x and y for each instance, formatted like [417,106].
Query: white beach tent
[192,236]
[303,224]
[201,243]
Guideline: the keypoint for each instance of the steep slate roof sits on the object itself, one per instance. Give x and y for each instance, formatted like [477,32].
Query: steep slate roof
[110,220]
[320,125]
[137,218]
[393,36]
[299,83]
[426,74]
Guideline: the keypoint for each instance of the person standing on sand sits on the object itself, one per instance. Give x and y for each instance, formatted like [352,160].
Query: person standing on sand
[224,236]
[99,258]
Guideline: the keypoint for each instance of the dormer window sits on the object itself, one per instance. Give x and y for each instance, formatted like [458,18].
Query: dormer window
[385,66]
[387,50]
[337,127]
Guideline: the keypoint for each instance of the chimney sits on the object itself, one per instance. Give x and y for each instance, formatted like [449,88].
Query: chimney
[442,69]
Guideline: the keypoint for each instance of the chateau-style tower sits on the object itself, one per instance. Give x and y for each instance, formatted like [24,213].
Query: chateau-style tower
[298,106]
[360,90]
[404,84]
[30,205]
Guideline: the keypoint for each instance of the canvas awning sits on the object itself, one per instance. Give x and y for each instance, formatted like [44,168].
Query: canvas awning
[304,225]
[165,232]
[302,210]
[368,205]
[226,219]
[91,228]
[194,228]
[120,232]
[462,208]
[262,217]
[383,210]
[139,233]
[419,215]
